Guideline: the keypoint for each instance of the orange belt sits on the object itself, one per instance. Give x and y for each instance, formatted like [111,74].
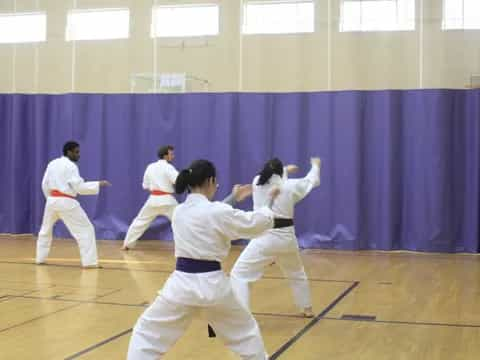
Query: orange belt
[56,193]
[159,192]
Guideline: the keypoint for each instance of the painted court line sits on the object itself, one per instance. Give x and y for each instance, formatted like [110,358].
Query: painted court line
[312,323]
[414,323]
[97,345]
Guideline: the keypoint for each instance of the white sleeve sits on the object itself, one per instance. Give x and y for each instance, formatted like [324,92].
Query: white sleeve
[146,179]
[82,187]
[301,187]
[172,173]
[45,188]
[238,224]
[230,199]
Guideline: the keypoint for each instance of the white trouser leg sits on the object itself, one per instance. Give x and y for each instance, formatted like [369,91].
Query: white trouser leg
[292,268]
[143,220]
[238,329]
[44,240]
[159,327]
[82,230]
[249,267]
[260,253]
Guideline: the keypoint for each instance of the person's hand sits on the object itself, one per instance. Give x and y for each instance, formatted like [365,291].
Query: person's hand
[241,192]
[105,183]
[291,169]
[316,161]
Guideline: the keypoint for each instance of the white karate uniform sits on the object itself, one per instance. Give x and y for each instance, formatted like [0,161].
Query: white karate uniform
[160,175]
[276,245]
[62,175]
[202,230]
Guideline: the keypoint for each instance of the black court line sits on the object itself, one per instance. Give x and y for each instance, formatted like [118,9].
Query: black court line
[50,285]
[280,315]
[80,268]
[48,264]
[108,293]
[359,317]
[37,318]
[16,289]
[51,313]
[309,279]
[312,323]
[28,293]
[379,253]
[414,323]
[160,271]
[58,295]
[72,266]
[77,301]
[146,249]
[97,345]
[167,271]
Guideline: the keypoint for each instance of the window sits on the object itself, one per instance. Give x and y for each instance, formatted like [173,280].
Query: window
[461,14]
[98,24]
[23,27]
[278,17]
[185,20]
[377,15]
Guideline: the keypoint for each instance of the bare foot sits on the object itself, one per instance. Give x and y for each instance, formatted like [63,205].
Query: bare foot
[125,248]
[308,313]
[92,267]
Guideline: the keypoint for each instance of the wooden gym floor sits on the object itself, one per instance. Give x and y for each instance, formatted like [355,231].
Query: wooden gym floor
[369,305]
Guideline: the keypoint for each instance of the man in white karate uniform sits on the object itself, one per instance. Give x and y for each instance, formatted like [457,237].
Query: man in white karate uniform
[159,180]
[60,185]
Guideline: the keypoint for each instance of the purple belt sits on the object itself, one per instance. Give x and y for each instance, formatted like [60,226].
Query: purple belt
[194,266]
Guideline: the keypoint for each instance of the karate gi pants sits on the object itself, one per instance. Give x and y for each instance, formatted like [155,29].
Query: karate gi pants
[183,296]
[279,246]
[77,222]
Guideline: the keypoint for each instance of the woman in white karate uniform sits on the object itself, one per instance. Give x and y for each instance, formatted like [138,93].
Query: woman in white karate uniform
[202,232]
[277,245]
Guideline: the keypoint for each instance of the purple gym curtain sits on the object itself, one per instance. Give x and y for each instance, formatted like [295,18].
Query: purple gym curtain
[400,168]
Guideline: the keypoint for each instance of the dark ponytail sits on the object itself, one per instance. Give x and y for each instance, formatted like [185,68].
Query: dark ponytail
[271,167]
[181,184]
[197,173]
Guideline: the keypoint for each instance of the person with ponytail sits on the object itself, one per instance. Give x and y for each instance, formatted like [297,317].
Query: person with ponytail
[203,230]
[278,245]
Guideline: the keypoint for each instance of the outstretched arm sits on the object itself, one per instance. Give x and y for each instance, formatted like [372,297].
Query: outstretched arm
[238,194]
[301,187]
